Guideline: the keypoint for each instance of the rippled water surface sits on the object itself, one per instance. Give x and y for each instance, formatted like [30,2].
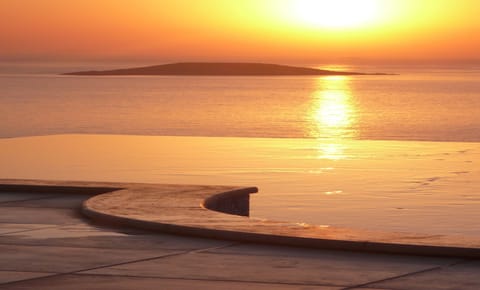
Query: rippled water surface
[439,105]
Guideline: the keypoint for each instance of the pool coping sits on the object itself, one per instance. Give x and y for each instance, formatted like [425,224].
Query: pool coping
[221,212]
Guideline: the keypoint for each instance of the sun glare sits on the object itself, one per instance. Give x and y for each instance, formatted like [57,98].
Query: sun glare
[337,13]
[333,113]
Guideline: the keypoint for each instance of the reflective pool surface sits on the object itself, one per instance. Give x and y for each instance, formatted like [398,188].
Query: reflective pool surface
[422,187]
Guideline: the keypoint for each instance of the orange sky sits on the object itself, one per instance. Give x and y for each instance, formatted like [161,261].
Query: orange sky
[231,30]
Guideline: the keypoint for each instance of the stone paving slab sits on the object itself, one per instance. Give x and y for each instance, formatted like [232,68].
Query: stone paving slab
[314,267]
[282,251]
[369,288]
[95,282]
[39,215]
[11,276]
[7,228]
[89,236]
[464,276]
[60,259]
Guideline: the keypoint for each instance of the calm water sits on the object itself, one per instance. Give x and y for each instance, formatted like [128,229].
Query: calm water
[327,178]
[428,104]
[408,186]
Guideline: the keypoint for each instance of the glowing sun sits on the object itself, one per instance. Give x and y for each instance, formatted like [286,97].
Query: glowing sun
[337,13]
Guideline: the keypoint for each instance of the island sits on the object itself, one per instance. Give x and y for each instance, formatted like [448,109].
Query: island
[219,69]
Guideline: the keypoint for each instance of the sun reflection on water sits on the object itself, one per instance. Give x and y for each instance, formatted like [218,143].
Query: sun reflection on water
[332,151]
[332,115]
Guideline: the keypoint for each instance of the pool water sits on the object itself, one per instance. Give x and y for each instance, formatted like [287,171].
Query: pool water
[403,186]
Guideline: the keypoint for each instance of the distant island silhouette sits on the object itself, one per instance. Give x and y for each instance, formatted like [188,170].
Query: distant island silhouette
[220,69]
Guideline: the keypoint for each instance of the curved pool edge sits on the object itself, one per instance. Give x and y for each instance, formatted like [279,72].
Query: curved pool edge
[189,210]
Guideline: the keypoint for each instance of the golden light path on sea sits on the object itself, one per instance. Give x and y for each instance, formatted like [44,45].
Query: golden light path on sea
[332,115]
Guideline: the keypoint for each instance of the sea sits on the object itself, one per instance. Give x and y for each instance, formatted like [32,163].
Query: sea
[365,129]
[426,103]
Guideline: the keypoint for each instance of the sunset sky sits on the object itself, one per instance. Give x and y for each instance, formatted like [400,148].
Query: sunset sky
[288,31]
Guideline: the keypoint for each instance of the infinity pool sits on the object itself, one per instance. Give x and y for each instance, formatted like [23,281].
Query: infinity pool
[422,187]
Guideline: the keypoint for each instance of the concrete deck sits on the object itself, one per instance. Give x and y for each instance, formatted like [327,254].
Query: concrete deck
[45,243]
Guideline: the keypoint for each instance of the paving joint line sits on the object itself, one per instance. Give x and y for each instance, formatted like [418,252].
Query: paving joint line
[215,248]
[61,246]
[30,279]
[209,280]
[21,271]
[178,253]
[86,247]
[82,270]
[406,275]
[117,264]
